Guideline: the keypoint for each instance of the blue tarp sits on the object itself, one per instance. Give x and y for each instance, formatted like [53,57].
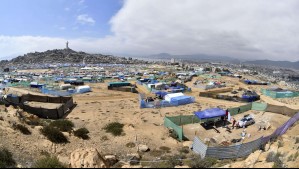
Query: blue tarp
[161,94]
[182,100]
[210,113]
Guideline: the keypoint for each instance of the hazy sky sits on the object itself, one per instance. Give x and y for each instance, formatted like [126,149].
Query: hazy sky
[252,29]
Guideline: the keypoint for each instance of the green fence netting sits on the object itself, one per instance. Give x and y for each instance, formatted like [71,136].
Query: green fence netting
[259,106]
[19,84]
[275,95]
[170,124]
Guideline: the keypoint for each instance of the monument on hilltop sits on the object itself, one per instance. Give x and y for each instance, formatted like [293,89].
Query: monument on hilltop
[67,45]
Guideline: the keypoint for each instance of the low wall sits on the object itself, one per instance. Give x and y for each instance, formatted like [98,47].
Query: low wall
[43,112]
[124,89]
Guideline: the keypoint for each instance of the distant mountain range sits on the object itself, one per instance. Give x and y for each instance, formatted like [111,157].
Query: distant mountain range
[195,57]
[284,64]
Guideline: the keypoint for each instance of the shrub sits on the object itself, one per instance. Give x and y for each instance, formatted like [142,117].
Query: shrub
[184,150]
[280,144]
[203,163]
[6,159]
[272,157]
[48,162]
[54,135]
[82,133]
[104,138]
[33,122]
[296,155]
[22,129]
[297,140]
[168,162]
[166,149]
[114,128]
[63,125]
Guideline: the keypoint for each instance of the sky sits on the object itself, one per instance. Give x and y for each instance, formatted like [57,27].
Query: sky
[249,30]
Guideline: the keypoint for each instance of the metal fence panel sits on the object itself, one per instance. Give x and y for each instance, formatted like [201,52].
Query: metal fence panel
[223,152]
[248,148]
[199,147]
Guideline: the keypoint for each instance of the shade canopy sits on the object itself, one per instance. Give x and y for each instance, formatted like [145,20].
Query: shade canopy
[210,113]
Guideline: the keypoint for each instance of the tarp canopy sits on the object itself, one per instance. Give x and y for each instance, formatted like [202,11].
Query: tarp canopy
[210,113]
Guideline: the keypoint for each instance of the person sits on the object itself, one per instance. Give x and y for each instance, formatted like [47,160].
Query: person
[234,123]
[243,134]
[226,113]
[239,109]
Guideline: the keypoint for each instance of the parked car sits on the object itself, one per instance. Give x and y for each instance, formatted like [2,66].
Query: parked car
[246,121]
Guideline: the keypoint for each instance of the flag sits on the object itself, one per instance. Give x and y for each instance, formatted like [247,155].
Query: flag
[229,117]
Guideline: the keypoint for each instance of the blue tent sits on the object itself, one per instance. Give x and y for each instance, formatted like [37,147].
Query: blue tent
[210,113]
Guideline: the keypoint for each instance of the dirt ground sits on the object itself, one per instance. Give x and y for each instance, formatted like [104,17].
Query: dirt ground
[96,109]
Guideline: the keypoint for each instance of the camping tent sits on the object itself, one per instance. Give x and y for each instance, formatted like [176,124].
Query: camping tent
[169,97]
[210,113]
[83,89]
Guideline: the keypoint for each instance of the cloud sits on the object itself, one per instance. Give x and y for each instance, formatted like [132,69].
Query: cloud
[67,9]
[251,29]
[242,29]
[81,2]
[85,19]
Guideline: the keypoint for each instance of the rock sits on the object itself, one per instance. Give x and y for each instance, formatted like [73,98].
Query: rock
[207,141]
[262,157]
[133,158]
[111,159]
[171,141]
[64,160]
[188,144]
[66,134]
[87,158]
[264,165]
[38,128]
[143,148]
[239,164]
[274,148]
[19,166]
[226,166]
[268,126]
[267,147]
[181,166]
[252,159]
[131,166]
[47,144]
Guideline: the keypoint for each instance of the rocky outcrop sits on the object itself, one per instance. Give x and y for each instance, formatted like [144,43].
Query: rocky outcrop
[88,158]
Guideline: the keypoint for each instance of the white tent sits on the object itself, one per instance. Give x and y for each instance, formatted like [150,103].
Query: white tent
[83,89]
[168,97]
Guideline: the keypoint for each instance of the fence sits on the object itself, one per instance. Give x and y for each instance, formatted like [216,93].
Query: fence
[191,119]
[275,94]
[64,104]
[241,150]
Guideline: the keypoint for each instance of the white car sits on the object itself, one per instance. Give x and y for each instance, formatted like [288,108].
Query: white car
[246,121]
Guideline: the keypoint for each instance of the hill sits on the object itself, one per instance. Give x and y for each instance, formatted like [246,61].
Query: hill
[196,57]
[284,64]
[67,56]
